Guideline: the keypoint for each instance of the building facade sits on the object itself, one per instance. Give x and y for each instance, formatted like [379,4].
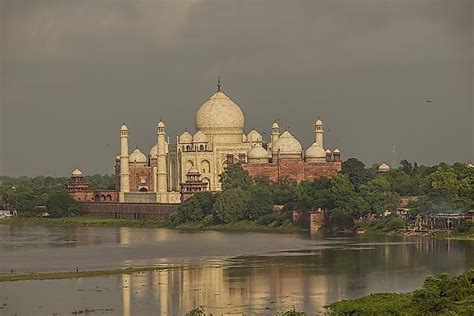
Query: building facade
[196,160]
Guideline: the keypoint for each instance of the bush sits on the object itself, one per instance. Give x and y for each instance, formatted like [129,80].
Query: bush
[267,219]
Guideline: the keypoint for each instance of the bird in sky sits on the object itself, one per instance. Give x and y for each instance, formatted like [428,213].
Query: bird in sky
[429,101]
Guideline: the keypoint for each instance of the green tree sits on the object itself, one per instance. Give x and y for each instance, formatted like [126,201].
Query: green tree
[60,204]
[195,208]
[444,183]
[235,176]
[356,171]
[260,202]
[347,205]
[379,197]
[230,205]
[284,191]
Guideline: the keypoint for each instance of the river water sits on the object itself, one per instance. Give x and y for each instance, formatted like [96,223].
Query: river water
[228,273]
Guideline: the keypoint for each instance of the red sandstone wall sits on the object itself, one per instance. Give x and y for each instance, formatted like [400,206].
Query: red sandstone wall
[93,196]
[297,170]
[129,210]
[136,173]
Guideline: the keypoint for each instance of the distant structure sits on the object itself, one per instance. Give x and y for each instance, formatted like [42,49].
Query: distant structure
[173,172]
[383,168]
[79,190]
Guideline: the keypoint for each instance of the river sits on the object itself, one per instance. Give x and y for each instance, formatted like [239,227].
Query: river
[226,272]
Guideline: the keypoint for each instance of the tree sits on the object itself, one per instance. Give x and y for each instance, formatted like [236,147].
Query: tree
[284,191]
[60,204]
[406,167]
[195,208]
[235,176]
[347,205]
[260,202]
[379,197]
[356,171]
[230,205]
[444,183]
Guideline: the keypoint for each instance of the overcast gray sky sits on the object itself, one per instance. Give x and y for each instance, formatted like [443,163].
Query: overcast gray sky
[72,71]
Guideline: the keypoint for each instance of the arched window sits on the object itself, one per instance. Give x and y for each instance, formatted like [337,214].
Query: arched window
[201,148]
[188,148]
[207,182]
[189,165]
[205,166]
[109,197]
[143,189]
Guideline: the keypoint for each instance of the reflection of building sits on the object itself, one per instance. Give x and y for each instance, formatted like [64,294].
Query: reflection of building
[219,140]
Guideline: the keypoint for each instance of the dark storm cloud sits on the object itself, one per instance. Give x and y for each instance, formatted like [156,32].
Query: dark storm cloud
[72,71]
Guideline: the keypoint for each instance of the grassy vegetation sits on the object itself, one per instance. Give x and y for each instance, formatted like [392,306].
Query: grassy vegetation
[10,277]
[89,221]
[440,295]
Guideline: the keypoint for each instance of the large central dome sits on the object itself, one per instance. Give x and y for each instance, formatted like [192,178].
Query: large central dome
[220,116]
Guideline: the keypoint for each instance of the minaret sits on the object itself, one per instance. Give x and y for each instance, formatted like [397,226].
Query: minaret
[275,132]
[124,173]
[318,133]
[161,171]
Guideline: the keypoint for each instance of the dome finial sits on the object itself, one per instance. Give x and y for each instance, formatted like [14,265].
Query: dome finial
[219,83]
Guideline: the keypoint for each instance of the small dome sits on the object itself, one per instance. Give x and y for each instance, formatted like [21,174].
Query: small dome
[336,151]
[257,152]
[160,124]
[219,115]
[124,127]
[275,125]
[287,144]
[199,137]
[117,158]
[76,173]
[319,122]
[193,170]
[185,138]
[315,151]
[254,136]
[328,151]
[154,150]
[137,156]
[384,167]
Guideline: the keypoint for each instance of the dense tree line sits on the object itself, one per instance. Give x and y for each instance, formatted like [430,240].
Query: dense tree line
[32,196]
[350,195]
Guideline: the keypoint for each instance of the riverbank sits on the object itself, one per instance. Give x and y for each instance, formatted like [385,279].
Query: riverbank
[464,232]
[440,295]
[90,221]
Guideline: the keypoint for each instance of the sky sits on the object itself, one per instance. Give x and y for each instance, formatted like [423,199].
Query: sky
[73,71]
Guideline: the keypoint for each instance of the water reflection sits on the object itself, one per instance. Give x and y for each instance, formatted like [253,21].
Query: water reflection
[225,272]
[307,279]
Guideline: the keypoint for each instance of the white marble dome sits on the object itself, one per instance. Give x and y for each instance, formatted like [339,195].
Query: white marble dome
[200,137]
[185,138]
[384,167]
[254,137]
[257,152]
[315,151]
[220,115]
[287,144]
[137,156]
[77,173]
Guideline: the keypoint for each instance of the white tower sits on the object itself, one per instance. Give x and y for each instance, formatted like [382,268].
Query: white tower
[318,132]
[124,173]
[161,171]
[275,132]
